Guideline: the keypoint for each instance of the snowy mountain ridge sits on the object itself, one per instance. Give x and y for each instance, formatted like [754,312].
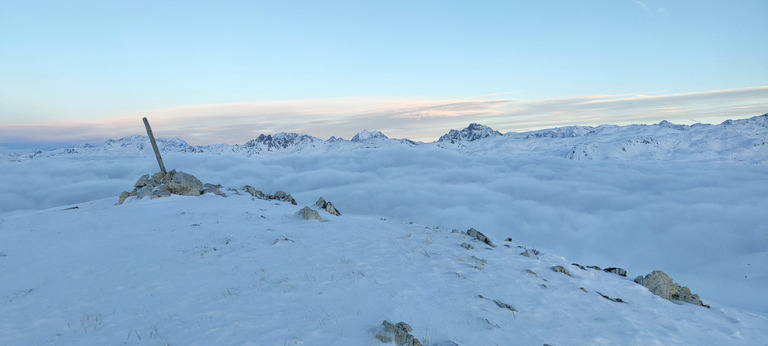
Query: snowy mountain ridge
[743,140]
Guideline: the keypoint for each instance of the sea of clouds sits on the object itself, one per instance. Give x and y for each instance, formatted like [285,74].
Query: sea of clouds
[702,223]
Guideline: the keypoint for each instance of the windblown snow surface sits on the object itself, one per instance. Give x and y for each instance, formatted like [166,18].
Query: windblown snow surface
[689,200]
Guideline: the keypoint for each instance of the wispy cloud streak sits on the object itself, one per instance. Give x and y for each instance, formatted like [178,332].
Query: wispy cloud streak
[403,118]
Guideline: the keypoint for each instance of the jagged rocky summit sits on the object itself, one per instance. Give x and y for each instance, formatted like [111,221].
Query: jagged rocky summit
[473,132]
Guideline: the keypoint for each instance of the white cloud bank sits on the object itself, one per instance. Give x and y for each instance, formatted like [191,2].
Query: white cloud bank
[415,119]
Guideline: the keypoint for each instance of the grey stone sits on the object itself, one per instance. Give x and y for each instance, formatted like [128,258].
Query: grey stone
[617,271]
[123,196]
[561,269]
[157,178]
[331,209]
[161,191]
[255,193]
[467,246]
[143,181]
[214,189]
[280,195]
[479,236]
[308,213]
[399,333]
[660,284]
[185,184]
[144,191]
[327,206]
[579,266]
[526,253]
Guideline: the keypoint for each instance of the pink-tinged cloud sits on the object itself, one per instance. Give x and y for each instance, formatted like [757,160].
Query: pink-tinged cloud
[416,119]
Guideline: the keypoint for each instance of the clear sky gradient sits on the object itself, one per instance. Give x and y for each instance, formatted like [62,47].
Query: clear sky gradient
[225,71]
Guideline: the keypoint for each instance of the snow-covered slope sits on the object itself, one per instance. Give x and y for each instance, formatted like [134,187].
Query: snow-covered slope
[236,270]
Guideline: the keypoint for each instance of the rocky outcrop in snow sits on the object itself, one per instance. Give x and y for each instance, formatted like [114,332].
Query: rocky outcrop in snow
[660,284]
[159,185]
[479,236]
[279,195]
[400,333]
[327,206]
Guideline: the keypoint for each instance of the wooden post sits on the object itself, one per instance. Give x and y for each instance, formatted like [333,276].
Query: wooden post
[154,146]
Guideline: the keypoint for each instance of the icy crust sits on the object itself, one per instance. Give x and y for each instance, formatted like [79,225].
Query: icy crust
[732,141]
[240,270]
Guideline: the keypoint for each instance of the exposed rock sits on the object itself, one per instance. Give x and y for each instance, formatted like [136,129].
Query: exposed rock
[617,271]
[308,213]
[467,246]
[660,284]
[526,253]
[618,300]
[214,189]
[143,181]
[594,267]
[500,303]
[561,269]
[123,196]
[400,333]
[144,191]
[160,192]
[163,185]
[479,236]
[579,266]
[180,183]
[327,206]
[255,193]
[280,195]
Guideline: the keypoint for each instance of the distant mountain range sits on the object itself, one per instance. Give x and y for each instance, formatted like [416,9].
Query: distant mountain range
[744,140]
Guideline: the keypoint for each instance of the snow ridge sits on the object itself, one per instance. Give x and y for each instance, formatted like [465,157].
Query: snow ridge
[733,141]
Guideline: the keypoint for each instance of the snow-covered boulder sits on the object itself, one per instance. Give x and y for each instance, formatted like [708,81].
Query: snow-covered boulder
[660,284]
[308,213]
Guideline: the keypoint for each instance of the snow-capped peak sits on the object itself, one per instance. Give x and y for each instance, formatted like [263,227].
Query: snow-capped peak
[366,135]
[473,132]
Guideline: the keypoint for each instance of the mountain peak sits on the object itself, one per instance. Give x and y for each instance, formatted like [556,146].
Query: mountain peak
[366,135]
[471,133]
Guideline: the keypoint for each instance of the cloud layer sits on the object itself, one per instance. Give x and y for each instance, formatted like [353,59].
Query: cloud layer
[415,119]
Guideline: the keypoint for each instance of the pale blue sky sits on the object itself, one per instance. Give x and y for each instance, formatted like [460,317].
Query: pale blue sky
[97,63]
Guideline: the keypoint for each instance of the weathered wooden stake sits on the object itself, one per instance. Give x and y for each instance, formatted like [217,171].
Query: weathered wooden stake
[154,146]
